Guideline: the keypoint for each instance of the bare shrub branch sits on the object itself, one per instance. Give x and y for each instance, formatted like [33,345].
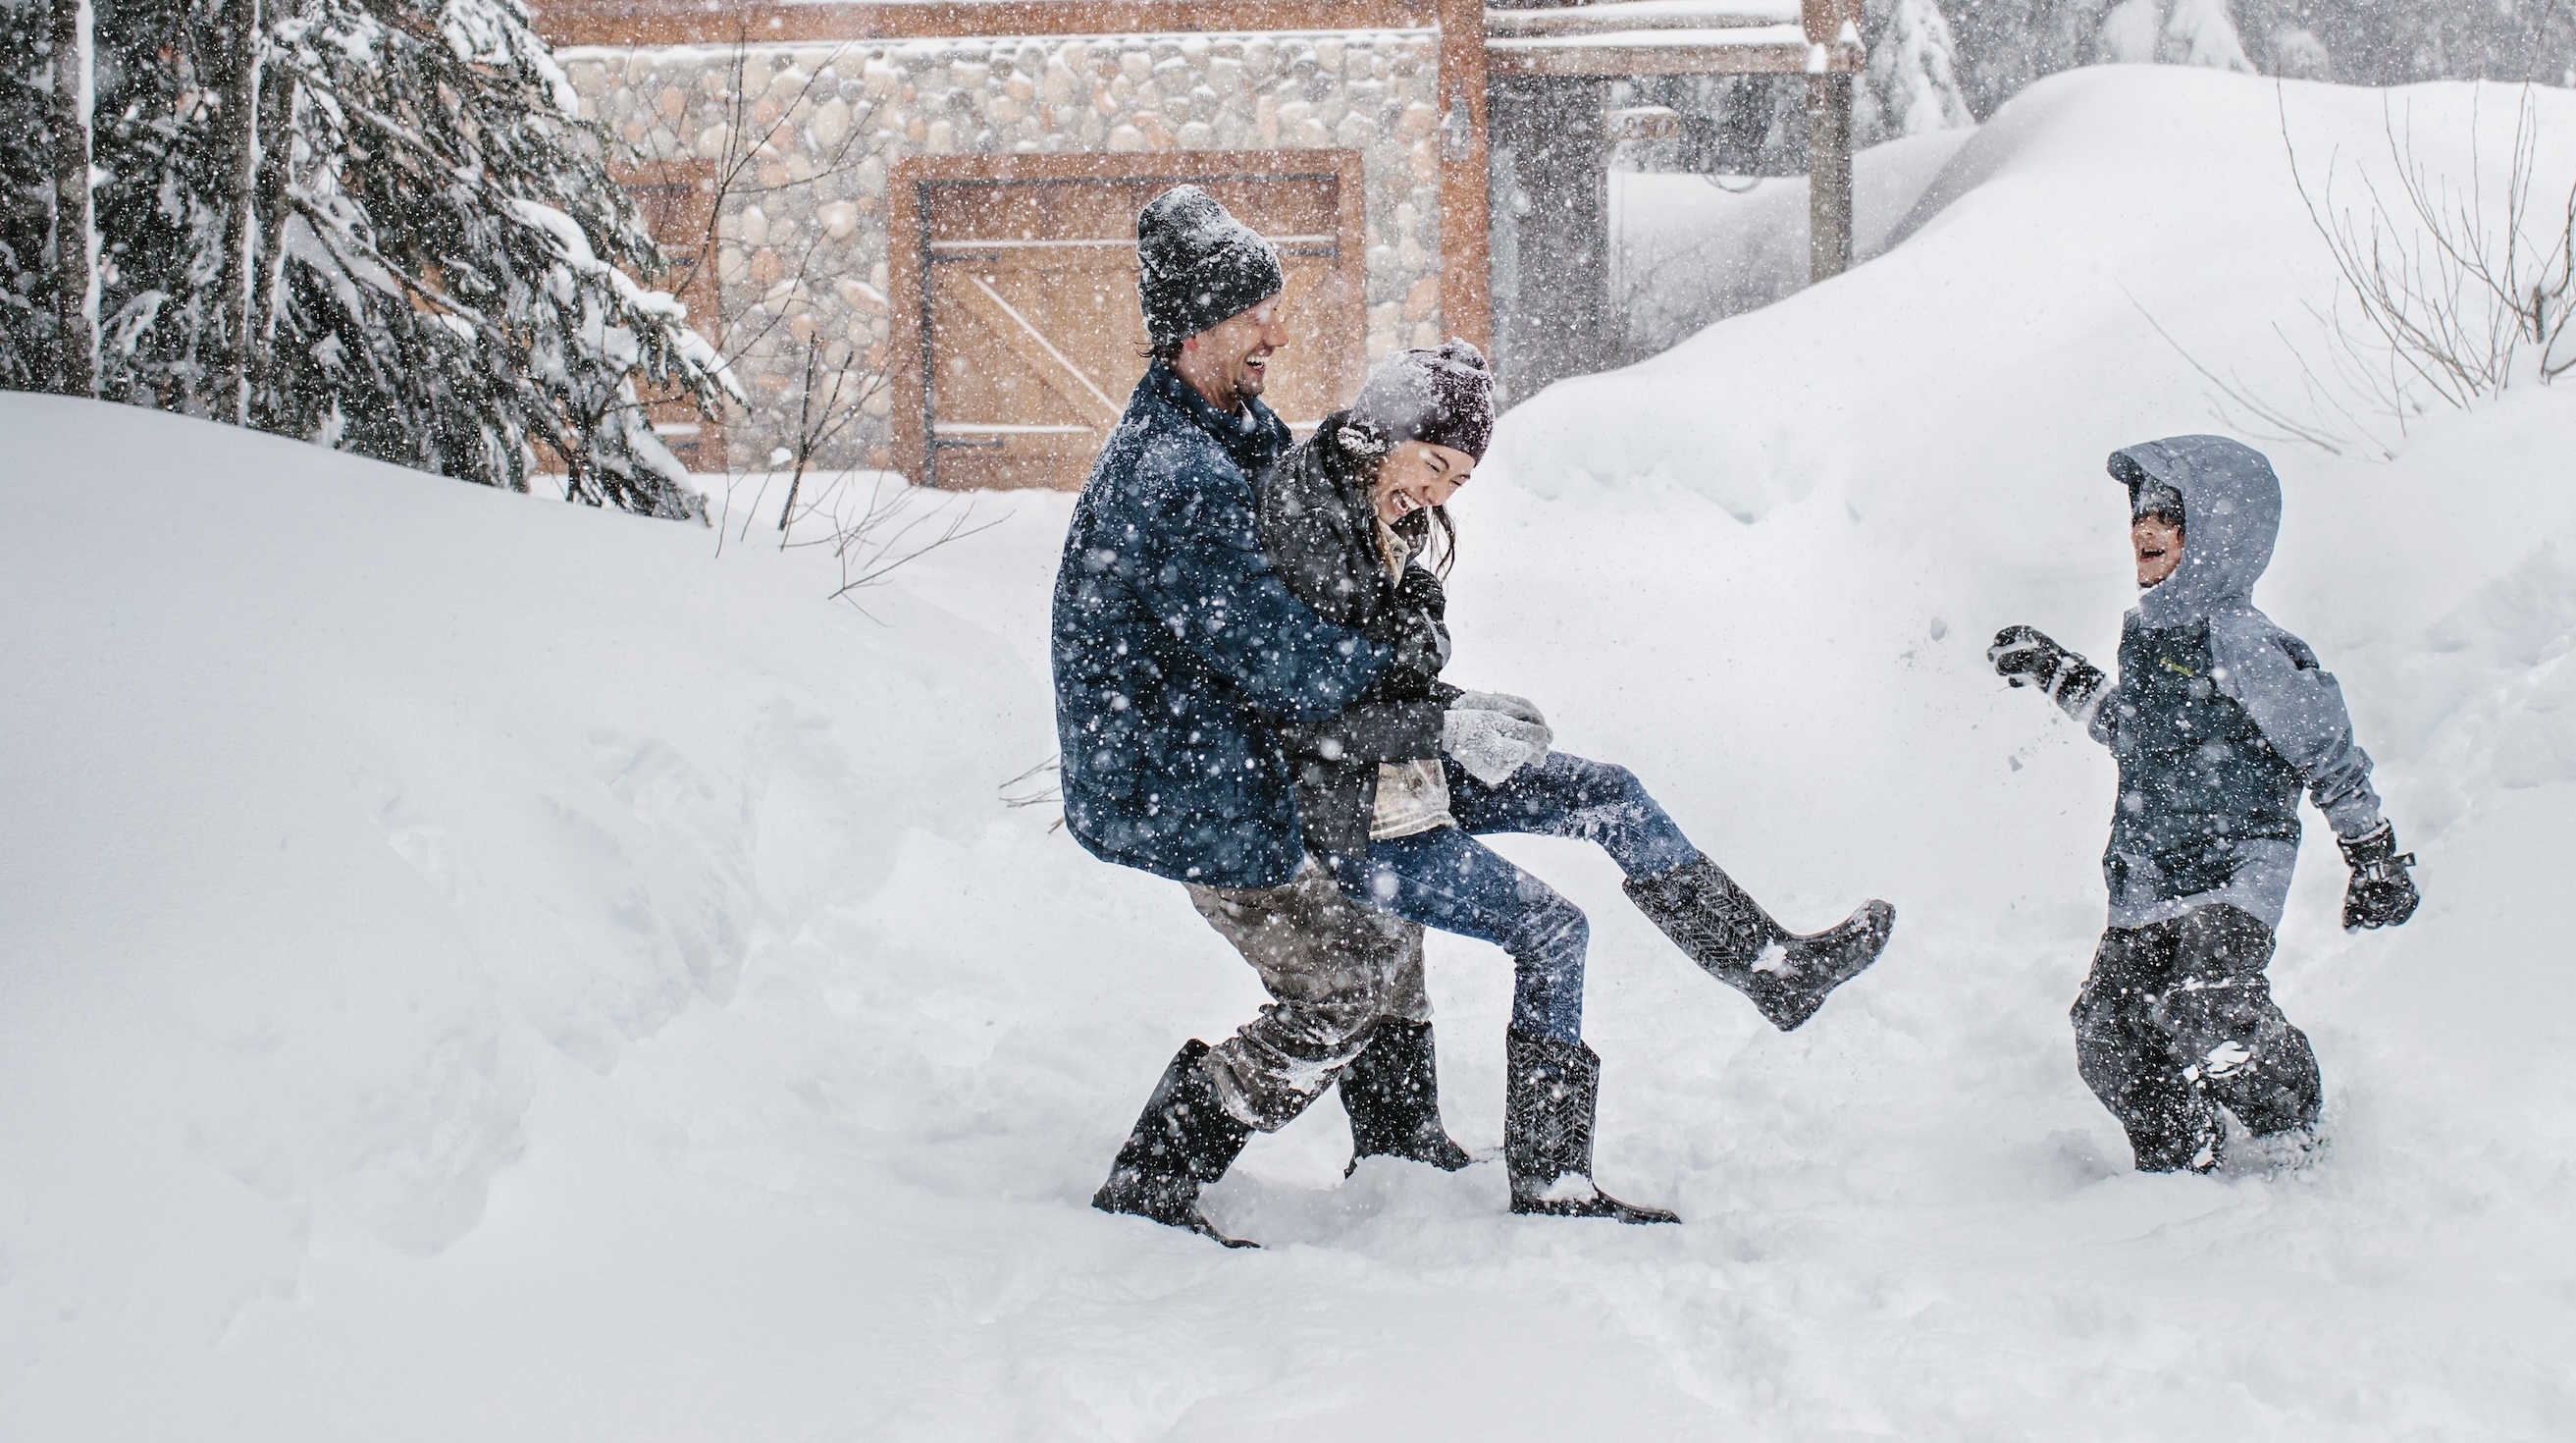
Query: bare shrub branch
[2443,297]
[876,523]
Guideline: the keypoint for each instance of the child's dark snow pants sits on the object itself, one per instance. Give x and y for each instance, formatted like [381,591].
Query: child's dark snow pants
[2176,1016]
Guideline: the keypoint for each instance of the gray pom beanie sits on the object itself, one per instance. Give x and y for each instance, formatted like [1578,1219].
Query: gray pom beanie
[1444,395]
[1196,265]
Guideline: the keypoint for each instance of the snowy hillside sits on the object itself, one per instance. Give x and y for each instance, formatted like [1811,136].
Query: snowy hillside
[482,968]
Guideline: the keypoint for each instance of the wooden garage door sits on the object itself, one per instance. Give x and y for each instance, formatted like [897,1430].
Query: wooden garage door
[1015,285]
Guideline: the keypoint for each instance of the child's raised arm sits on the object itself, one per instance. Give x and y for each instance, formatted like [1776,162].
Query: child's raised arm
[2025,656]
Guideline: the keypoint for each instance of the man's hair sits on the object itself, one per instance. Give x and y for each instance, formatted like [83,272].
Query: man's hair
[1169,352]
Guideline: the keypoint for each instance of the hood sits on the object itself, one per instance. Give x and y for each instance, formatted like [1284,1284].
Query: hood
[2231,516]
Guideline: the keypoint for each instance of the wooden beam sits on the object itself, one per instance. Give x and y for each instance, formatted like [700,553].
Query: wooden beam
[1834,24]
[1171,165]
[724,22]
[1770,50]
[1466,239]
[1829,177]
[1831,22]
[908,329]
[1609,15]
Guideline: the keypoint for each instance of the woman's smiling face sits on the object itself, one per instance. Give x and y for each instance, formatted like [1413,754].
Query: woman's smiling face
[1416,476]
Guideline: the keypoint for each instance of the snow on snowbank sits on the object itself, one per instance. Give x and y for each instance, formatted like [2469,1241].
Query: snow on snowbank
[485,968]
[1687,252]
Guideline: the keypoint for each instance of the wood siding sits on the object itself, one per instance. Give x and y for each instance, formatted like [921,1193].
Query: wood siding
[679,22]
[1017,335]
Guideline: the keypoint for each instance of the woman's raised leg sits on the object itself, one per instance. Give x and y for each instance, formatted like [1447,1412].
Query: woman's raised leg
[1570,796]
[1786,974]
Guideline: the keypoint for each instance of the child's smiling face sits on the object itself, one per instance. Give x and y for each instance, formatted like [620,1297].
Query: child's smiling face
[2158,543]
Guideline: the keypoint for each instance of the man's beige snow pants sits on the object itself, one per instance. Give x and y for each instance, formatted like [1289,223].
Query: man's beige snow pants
[1334,970]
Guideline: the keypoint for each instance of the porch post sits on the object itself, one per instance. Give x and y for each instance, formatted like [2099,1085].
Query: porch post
[1466,256]
[1833,32]
[1829,181]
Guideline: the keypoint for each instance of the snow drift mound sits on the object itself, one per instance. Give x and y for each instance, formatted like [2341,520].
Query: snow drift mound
[1911,456]
[337,796]
[483,968]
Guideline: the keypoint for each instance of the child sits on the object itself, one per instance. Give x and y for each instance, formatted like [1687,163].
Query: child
[2218,718]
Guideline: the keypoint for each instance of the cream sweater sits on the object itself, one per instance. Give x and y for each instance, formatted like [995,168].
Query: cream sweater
[1412,797]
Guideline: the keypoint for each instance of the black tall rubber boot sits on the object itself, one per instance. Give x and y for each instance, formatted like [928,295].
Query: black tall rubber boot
[1184,1140]
[1550,1090]
[1727,933]
[1392,1092]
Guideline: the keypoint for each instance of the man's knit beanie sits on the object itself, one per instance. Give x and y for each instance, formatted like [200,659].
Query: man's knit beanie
[1196,265]
[1444,396]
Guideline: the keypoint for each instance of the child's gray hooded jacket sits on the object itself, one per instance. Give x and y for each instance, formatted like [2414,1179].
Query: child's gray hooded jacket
[2219,717]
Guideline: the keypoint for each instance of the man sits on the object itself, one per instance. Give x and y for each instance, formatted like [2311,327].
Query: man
[1178,653]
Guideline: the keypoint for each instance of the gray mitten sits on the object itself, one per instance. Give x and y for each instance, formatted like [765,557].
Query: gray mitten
[1492,745]
[1503,702]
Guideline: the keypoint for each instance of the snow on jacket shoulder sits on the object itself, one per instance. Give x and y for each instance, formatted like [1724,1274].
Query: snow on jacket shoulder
[1178,651]
[2299,706]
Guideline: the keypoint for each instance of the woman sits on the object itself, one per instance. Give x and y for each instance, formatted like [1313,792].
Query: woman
[1394,792]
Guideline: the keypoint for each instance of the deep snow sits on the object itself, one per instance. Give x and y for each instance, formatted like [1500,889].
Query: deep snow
[483,968]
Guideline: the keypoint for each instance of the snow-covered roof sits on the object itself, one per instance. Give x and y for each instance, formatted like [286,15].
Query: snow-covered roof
[1791,34]
[1651,16]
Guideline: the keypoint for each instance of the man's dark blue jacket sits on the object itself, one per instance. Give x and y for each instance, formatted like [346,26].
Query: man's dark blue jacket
[1178,649]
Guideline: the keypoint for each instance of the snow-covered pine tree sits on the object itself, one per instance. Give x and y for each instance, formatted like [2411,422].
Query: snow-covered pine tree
[2131,31]
[2203,32]
[456,224]
[2006,44]
[1913,80]
[438,272]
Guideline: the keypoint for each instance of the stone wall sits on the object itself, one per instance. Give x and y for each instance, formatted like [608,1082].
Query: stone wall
[803,254]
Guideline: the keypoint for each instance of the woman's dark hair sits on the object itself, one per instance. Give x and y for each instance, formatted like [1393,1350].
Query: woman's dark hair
[1433,537]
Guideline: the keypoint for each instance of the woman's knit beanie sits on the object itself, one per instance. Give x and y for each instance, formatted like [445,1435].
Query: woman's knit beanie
[1196,265]
[1444,396]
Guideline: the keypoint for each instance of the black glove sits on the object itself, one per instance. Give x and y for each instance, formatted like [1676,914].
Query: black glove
[1422,591]
[2380,893]
[1421,650]
[2025,657]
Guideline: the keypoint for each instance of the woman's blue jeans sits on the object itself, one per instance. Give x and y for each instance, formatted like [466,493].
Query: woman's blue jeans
[1446,879]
